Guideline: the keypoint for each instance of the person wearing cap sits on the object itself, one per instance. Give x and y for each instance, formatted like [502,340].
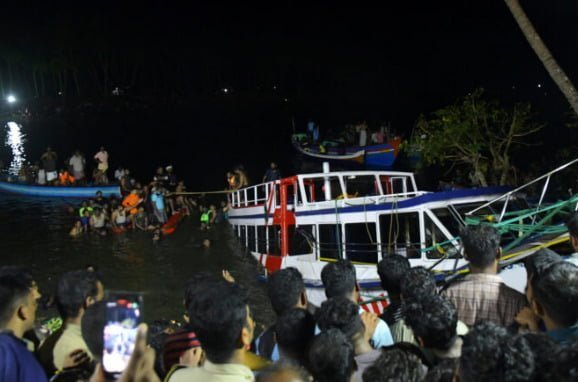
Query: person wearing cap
[182,349]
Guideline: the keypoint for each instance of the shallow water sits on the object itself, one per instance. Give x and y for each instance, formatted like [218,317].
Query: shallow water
[34,232]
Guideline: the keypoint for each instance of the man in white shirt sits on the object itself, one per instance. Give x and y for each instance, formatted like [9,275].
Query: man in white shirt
[77,162]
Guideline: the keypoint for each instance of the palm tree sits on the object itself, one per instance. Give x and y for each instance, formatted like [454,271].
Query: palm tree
[543,53]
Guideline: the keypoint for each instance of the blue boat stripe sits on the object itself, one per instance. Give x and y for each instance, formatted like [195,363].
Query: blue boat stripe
[411,202]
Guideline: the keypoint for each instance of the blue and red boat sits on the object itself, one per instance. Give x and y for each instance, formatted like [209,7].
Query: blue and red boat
[378,156]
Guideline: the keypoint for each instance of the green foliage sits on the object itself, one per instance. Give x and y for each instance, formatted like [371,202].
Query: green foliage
[477,133]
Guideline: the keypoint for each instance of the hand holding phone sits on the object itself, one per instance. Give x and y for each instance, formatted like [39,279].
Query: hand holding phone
[123,315]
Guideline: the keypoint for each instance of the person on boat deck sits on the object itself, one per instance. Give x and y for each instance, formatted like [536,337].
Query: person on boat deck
[241,176]
[160,178]
[482,295]
[125,183]
[48,160]
[102,158]
[339,280]
[272,173]
[98,221]
[64,178]
[362,131]
[118,173]
[572,226]
[222,214]
[232,181]
[118,218]
[313,131]
[158,203]
[77,164]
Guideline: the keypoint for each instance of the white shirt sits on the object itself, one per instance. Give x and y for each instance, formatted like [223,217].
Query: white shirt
[77,163]
[102,156]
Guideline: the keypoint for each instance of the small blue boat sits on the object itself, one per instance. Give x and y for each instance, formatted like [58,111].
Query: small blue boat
[59,191]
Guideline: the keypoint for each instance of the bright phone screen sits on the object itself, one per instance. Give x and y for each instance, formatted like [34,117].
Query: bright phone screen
[123,314]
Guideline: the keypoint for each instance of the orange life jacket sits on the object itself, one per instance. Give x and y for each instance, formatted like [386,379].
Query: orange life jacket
[131,201]
[65,178]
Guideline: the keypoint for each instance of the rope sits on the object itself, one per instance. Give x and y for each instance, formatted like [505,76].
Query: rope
[203,192]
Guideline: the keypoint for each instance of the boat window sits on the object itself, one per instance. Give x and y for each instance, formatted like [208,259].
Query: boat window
[329,237]
[243,235]
[449,220]
[361,242]
[261,239]
[436,243]
[251,239]
[361,185]
[400,234]
[303,240]
[274,240]
[398,185]
[316,192]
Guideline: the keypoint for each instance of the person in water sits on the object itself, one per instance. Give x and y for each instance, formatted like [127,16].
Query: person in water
[141,220]
[85,220]
[77,229]
[98,222]
[205,218]
[158,203]
[118,218]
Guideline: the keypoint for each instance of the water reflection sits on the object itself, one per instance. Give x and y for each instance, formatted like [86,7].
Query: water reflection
[15,140]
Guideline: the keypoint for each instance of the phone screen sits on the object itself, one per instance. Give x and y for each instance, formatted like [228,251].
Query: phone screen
[123,314]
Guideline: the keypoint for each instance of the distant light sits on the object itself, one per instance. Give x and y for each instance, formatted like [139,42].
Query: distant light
[286,100]
[225,90]
[10,99]
[274,87]
[513,86]
[539,85]
[59,93]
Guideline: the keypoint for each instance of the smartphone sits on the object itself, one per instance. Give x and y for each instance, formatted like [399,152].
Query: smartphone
[123,314]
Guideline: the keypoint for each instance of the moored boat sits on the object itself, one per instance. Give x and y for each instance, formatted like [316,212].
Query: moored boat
[378,156]
[307,220]
[59,191]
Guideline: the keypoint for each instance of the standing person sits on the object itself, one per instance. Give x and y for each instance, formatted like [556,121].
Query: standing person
[102,158]
[18,304]
[48,160]
[482,295]
[363,134]
[77,164]
[272,173]
[158,204]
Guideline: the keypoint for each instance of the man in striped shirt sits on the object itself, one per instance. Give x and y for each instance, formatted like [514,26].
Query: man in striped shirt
[482,295]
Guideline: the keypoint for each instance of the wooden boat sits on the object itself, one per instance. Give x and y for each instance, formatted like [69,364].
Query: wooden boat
[307,220]
[379,156]
[58,191]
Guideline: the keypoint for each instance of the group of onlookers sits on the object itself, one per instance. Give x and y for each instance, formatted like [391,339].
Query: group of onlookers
[475,329]
[71,171]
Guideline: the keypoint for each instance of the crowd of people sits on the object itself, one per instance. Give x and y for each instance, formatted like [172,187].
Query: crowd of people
[474,329]
[356,134]
[145,207]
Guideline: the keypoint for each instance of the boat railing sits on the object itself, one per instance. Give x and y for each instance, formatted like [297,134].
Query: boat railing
[258,194]
[507,197]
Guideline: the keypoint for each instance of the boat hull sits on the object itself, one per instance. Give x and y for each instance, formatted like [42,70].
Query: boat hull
[58,192]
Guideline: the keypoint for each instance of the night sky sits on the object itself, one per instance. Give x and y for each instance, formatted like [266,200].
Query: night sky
[337,64]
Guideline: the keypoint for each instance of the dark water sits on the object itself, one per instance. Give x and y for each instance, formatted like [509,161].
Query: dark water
[34,232]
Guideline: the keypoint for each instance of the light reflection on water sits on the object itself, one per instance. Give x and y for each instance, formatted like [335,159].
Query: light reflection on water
[15,139]
[34,233]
